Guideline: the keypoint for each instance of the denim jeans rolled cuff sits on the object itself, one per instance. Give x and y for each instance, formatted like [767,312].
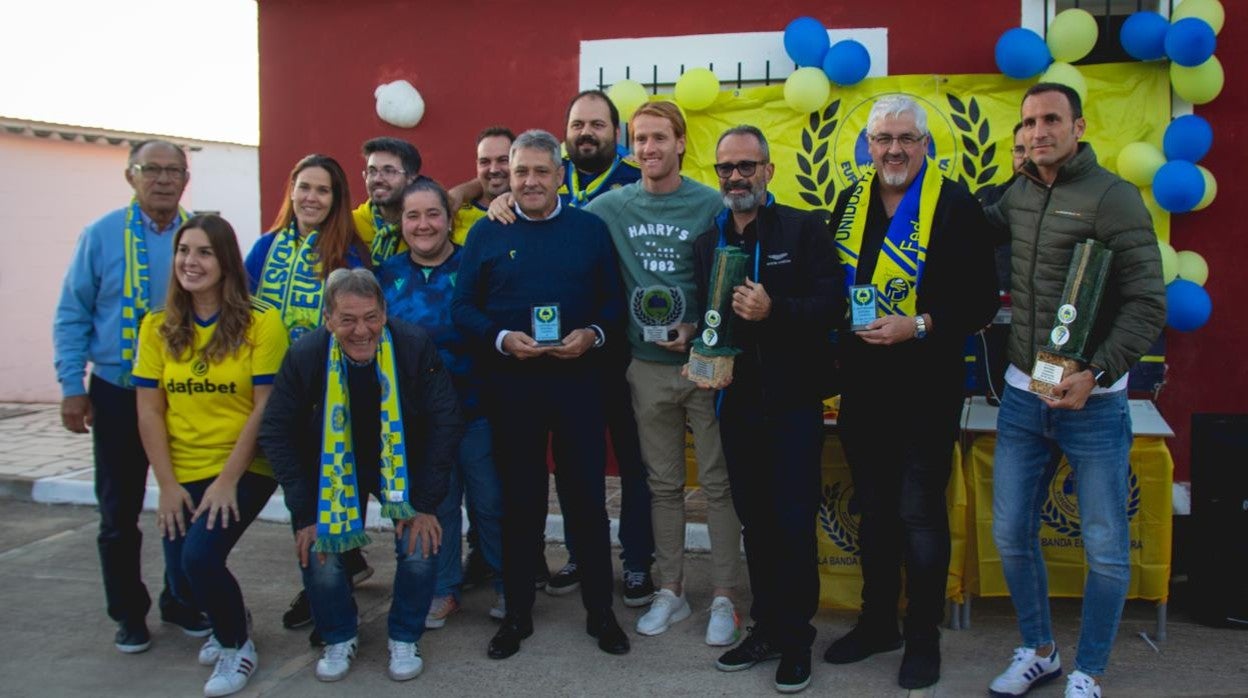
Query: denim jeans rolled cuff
[474,479]
[1096,441]
[195,564]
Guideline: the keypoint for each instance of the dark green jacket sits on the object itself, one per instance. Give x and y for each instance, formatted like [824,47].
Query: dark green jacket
[1045,223]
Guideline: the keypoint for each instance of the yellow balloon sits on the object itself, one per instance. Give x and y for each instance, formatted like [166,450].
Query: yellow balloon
[1169,262]
[1139,161]
[1211,188]
[1198,85]
[627,95]
[807,89]
[1069,75]
[1071,35]
[1193,267]
[1209,10]
[697,89]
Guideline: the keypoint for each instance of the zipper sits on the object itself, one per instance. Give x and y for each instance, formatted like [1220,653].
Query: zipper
[1035,255]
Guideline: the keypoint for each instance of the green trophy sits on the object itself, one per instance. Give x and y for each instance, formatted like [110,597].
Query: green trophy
[710,361]
[1065,352]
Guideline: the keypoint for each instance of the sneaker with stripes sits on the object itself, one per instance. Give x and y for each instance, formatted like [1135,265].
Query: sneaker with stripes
[234,667]
[1026,670]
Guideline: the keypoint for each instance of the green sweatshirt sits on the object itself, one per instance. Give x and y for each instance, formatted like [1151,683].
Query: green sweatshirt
[653,236]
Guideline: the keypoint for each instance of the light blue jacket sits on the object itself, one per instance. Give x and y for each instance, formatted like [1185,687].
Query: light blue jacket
[88,317]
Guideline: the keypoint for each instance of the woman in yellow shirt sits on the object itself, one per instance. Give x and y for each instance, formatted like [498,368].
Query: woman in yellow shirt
[205,369]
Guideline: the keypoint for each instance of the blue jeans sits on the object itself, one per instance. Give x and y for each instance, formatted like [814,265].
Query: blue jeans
[1097,442]
[333,606]
[473,475]
[195,563]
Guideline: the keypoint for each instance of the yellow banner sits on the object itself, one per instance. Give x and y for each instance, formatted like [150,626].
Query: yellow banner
[1149,506]
[971,118]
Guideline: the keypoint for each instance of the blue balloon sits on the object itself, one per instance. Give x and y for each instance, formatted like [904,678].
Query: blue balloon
[1188,306]
[1178,186]
[806,41]
[1143,35]
[1190,42]
[1021,53]
[847,62]
[1188,138]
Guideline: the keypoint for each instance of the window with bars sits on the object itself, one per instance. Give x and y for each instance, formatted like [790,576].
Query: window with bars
[1109,14]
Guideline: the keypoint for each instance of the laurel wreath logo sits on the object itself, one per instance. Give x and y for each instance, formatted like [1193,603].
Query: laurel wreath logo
[977,145]
[817,185]
[837,533]
[1066,525]
[642,314]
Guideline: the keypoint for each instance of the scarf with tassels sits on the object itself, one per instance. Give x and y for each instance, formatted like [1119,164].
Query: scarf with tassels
[339,524]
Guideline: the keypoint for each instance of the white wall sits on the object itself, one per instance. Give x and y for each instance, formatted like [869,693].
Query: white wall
[50,189]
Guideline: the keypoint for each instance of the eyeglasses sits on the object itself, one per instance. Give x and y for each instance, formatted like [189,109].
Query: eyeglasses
[1020,150]
[745,167]
[886,140]
[153,172]
[386,172]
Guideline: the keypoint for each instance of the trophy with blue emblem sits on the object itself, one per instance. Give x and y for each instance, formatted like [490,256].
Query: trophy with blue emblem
[1066,351]
[710,360]
[546,327]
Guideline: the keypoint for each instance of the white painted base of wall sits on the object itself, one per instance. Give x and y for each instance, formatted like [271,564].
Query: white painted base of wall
[69,489]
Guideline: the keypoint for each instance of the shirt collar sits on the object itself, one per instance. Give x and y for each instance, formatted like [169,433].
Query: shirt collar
[558,209]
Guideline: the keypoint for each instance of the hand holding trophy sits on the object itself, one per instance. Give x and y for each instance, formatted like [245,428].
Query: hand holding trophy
[710,361]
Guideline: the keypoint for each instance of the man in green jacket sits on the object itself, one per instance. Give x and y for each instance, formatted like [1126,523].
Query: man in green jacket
[1062,197]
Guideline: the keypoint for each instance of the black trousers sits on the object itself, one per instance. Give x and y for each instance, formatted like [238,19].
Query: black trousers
[524,407]
[900,476]
[774,469]
[120,484]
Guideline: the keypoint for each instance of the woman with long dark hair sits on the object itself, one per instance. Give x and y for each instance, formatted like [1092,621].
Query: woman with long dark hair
[205,368]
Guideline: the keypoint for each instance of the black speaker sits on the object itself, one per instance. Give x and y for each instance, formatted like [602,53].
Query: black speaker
[1218,576]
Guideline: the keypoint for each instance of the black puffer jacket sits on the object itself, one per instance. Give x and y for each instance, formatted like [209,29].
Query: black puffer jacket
[1045,223]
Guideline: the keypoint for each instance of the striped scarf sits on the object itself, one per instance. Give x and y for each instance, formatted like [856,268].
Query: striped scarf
[136,287]
[291,280]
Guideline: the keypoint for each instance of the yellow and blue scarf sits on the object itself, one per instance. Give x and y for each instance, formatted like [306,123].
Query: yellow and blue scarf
[386,239]
[903,255]
[339,525]
[291,280]
[136,287]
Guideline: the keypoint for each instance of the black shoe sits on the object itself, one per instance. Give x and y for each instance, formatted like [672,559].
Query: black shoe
[920,665]
[638,588]
[132,637]
[565,581]
[477,573]
[506,641]
[542,577]
[300,612]
[862,642]
[753,649]
[793,674]
[315,639]
[611,637]
[192,622]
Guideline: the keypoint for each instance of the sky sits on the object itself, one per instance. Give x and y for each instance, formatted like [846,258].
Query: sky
[134,65]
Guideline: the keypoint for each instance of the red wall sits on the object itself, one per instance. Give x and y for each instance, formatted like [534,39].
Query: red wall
[477,64]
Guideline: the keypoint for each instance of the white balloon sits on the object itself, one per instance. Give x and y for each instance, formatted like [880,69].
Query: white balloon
[399,104]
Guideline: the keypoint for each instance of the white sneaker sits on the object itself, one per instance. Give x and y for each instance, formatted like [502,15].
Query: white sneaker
[1026,670]
[210,651]
[405,661]
[723,629]
[499,610]
[234,667]
[1080,685]
[667,608]
[335,662]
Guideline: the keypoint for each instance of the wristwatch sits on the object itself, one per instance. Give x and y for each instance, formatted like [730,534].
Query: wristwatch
[920,327]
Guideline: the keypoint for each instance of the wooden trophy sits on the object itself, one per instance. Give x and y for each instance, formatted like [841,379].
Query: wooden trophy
[1065,352]
[710,360]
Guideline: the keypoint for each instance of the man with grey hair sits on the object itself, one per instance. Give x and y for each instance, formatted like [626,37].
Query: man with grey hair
[537,299]
[771,420]
[363,404]
[120,270]
[919,276]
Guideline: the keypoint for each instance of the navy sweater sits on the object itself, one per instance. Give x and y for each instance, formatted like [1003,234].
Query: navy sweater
[507,269]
